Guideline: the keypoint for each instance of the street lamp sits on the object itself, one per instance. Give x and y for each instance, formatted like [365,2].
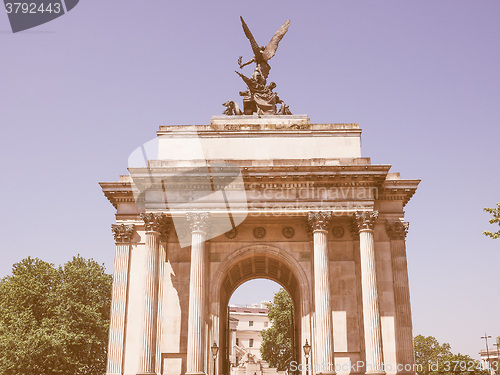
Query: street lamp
[307,351]
[215,350]
[498,357]
[486,337]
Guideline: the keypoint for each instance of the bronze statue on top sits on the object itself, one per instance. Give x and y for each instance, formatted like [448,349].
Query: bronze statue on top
[262,55]
[259,98]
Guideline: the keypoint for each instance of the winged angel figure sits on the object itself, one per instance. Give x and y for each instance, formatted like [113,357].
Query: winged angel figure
[262,54]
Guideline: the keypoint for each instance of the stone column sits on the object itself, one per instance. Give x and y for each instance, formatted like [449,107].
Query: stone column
[318,221]
[154,223]
[165,231]
[405,354]
[371,314]
[198,222]
[123,235]
[232,343]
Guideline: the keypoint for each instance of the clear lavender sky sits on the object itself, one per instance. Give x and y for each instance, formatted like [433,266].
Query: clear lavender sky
[422,79]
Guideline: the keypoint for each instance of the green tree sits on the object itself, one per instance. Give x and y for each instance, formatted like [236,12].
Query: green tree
[276,346]
[432,358]
[495,220]
[54,320]
[428,351]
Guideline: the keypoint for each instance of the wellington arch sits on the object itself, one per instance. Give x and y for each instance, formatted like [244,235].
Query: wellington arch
[205,208]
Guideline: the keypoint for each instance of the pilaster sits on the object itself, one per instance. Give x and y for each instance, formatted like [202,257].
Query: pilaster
[405,354]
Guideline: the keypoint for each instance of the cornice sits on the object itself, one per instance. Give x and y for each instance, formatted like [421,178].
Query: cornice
[400,190]
[118,192]
[281,178]
[242,130]
[319,175]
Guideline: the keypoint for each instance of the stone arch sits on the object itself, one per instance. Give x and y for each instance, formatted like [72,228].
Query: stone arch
[252,262]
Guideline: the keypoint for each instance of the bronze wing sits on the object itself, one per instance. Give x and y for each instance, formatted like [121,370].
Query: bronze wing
[253,43]
[272,46]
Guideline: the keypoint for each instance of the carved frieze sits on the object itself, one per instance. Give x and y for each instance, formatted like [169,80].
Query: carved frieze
[231,233]
[239,127]
[288,232]
[259,233]
[338,231]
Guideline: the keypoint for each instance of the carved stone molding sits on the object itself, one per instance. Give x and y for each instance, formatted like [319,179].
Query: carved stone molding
[156,222]
[123,233]
[288,232]
[319,221]
[397,230]
[365,220]
[353,228]
[259,233]
[231,233]
[198,221]
[338,232]
[164,230]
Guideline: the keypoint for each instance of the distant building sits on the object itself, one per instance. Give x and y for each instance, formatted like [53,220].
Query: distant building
[246,324]
[491,360]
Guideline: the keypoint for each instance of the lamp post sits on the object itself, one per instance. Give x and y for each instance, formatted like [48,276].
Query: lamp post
[307,351]
[498,357]
[486,337]
[215,350]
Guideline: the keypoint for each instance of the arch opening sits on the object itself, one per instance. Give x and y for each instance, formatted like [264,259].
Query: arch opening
[250,267]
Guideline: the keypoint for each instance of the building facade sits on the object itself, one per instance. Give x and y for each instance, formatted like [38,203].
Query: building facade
[490,359]
[245,332]
[209,207]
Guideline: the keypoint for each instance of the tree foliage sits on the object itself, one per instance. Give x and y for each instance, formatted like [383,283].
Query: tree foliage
[276,346]
[433,358]
[495,220]
[54,320]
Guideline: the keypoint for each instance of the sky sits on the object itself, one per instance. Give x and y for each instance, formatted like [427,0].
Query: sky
[79,94]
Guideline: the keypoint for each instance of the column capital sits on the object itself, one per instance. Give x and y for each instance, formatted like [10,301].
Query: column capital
[353,228]
[156,222]
[365,220]
[397,230]
[198,221]
[122,232]
[319,220]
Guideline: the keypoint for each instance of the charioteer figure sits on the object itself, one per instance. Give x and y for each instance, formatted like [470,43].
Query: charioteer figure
[259,98]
